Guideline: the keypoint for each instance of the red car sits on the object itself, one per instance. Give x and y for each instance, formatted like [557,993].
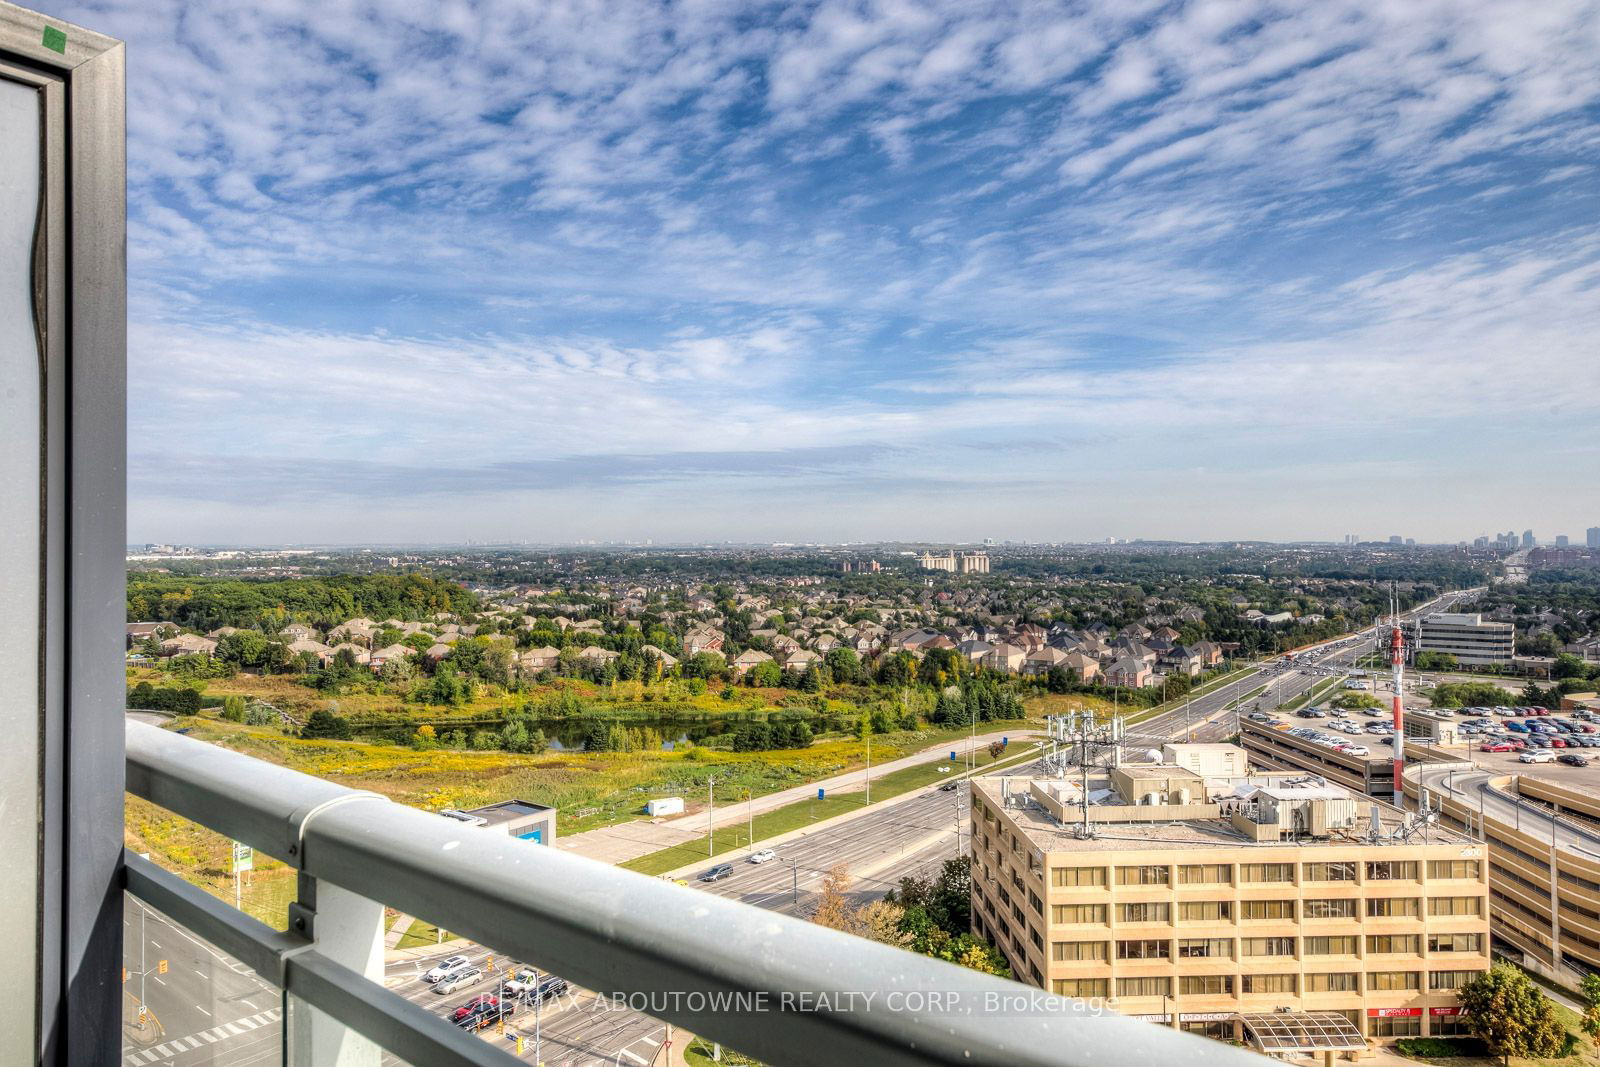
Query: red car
[1496,746]
[482,1006]
[1556,742]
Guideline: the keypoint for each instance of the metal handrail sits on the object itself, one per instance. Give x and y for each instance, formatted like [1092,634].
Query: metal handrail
[775,987]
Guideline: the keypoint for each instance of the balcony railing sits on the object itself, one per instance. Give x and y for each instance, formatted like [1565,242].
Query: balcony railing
[778,988]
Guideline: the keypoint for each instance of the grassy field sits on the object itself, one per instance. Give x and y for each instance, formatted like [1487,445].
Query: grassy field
[608,787]
[803,813]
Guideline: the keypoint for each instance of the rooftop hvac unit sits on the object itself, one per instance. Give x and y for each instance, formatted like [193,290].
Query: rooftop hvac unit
[1150,799]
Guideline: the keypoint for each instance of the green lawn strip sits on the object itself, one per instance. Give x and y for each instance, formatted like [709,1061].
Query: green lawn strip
[1312,695]
[803,813]
[422,935]
[1177,703]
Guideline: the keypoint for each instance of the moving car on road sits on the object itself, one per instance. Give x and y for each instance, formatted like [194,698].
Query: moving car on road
[445,967]
[762,855]
[457,978]
[717,873]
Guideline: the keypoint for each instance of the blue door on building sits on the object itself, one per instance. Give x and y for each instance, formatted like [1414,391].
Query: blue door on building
[536,836]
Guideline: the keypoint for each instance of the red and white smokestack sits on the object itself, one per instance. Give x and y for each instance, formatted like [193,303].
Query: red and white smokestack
[1397,658]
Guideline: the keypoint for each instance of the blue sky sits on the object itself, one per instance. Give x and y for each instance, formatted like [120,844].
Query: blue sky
[837,271]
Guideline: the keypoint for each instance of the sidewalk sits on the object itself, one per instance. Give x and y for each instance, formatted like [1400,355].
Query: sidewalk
[629,840]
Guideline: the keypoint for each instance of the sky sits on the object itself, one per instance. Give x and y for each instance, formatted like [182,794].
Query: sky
[836,271]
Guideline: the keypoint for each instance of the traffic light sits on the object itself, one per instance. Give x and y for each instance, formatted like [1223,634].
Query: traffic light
[161,968]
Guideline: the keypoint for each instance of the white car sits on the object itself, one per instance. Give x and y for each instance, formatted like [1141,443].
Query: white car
[1537,755]
[445,968]
[457,978]
[1357,750]
[763,855]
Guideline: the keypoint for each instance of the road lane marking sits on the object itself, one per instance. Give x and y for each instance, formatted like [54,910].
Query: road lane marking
[634,1056]
[198,1008]
[234,1030]
[194,1042]
[211,1038]
[247,1003]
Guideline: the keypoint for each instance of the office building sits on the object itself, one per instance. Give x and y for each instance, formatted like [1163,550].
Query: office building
[1220,899]
[1562,541]
[1527,539]
[1473,642]
[1592,537]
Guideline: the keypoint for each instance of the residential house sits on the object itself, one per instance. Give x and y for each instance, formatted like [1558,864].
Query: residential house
[138,631]
[702,639]
[798,660]
[666,660]
[1006,657]
[188,645]
[747,659]
[388,654]
[535,660]
[1130,672]
[598,656]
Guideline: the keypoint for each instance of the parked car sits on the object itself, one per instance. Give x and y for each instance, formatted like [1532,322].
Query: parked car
[1496,746]
[762,855]
[1355,750]
[445,967]
[457,978]
[1572,759]
[717,873]
[1539,755]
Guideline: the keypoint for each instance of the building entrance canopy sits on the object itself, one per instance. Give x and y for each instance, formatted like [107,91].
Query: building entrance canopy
[1302,1032]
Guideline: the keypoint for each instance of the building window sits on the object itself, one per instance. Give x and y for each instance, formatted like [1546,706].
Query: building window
[1206,985]
[1072,877]
[1205,874]
[1319,908]
[1082,988]
[1393,908]
[1392,981]
[1205,948]
[1472,869]
[1146,875]
[1329,872]
[1066,914]
[1157,911]
[1450,1026]
[1331,946]
[1035,903]
[1216,1029]
[1393,944]
[1455,943]
[1269,946]
[1205,910]
[1450,981]
[1392,871]
[1257,910]
[1396,1026]
[1266,872]
[1455,905]
[1268,983]
[1077,951]
[1335,982]
[1144,987]
[1144,950]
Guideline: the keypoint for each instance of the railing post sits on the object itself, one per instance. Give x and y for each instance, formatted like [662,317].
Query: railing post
[348,929]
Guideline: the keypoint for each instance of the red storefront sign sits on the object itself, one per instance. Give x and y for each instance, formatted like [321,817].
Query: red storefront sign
[1445,1011]
[1391,1013]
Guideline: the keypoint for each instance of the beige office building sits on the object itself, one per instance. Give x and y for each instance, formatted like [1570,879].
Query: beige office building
[1473,642]
[1224,900]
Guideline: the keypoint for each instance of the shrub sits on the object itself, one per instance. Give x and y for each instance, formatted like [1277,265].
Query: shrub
[1440,1047]
[327,725]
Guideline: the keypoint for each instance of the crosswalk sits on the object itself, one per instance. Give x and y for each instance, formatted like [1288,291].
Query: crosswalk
[179,1045]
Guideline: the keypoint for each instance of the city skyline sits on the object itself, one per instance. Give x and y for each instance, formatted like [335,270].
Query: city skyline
[1209,271]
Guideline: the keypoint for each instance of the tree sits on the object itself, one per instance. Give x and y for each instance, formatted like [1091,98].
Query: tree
[233,708]
[833,905]
[1511,1015]
[1590,990]
[327,725]
[425,737]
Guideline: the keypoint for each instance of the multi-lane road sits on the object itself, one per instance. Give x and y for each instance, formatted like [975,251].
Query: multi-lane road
[207,1007]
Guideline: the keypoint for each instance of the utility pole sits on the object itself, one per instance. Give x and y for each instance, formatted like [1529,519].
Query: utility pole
[538,1006]
[711,826]
[752,811]
[869,762]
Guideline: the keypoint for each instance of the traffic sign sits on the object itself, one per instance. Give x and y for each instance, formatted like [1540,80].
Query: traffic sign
[244,857]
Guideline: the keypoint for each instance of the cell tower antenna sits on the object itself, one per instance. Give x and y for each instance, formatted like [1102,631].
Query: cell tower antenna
[1397,660]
